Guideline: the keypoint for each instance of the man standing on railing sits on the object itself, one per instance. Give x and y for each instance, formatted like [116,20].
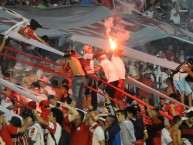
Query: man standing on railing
[120,68]
[110,73]
[73,65]
[88,67]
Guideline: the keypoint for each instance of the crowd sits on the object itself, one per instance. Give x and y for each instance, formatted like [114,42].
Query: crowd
[174,12]
[72,108]
[55,3]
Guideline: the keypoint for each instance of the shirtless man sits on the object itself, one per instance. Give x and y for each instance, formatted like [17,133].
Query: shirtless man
[175,132]
[30,77]
[73,65]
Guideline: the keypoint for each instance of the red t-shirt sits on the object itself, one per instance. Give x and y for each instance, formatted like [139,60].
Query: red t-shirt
[178,108]
[6,133]
[79,135]
[29,32]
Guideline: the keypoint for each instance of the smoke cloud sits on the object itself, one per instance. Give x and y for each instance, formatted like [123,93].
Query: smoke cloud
[116,30]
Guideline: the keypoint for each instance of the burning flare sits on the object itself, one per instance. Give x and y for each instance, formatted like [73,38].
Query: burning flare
[112,43]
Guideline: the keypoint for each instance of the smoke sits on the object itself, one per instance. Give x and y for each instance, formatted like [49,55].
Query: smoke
[120,31]
[116,29]
[108,24]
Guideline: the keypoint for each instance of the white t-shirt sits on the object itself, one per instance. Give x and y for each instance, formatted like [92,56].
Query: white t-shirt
[165,137]
[57,129]
[98,135]
[109,70]
[119,65]
[176,19]
[100,98]
[36,134]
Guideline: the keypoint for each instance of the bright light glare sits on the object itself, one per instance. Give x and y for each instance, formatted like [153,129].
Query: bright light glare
[113,43]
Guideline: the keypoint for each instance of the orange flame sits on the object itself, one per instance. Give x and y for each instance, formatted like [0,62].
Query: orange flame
[113,44]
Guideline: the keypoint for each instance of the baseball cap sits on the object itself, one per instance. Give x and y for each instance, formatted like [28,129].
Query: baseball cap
[31,105]
[44,79]
[44,104]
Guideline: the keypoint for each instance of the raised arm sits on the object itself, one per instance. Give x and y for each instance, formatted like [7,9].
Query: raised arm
[73,111]
[40,119]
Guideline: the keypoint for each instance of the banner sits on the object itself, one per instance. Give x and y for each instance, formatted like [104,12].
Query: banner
[86,25]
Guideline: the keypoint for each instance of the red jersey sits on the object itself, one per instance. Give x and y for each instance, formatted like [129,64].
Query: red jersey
[6,133]
[29,32]
[79,135]
[179,109]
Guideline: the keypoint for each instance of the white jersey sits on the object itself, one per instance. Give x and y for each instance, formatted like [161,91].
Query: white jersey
[98,135]
[36,134]
[57,129]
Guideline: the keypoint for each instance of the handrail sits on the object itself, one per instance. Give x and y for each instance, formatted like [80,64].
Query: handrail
[62,74]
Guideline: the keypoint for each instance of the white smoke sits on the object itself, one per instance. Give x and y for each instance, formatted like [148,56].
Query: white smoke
[116,29]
